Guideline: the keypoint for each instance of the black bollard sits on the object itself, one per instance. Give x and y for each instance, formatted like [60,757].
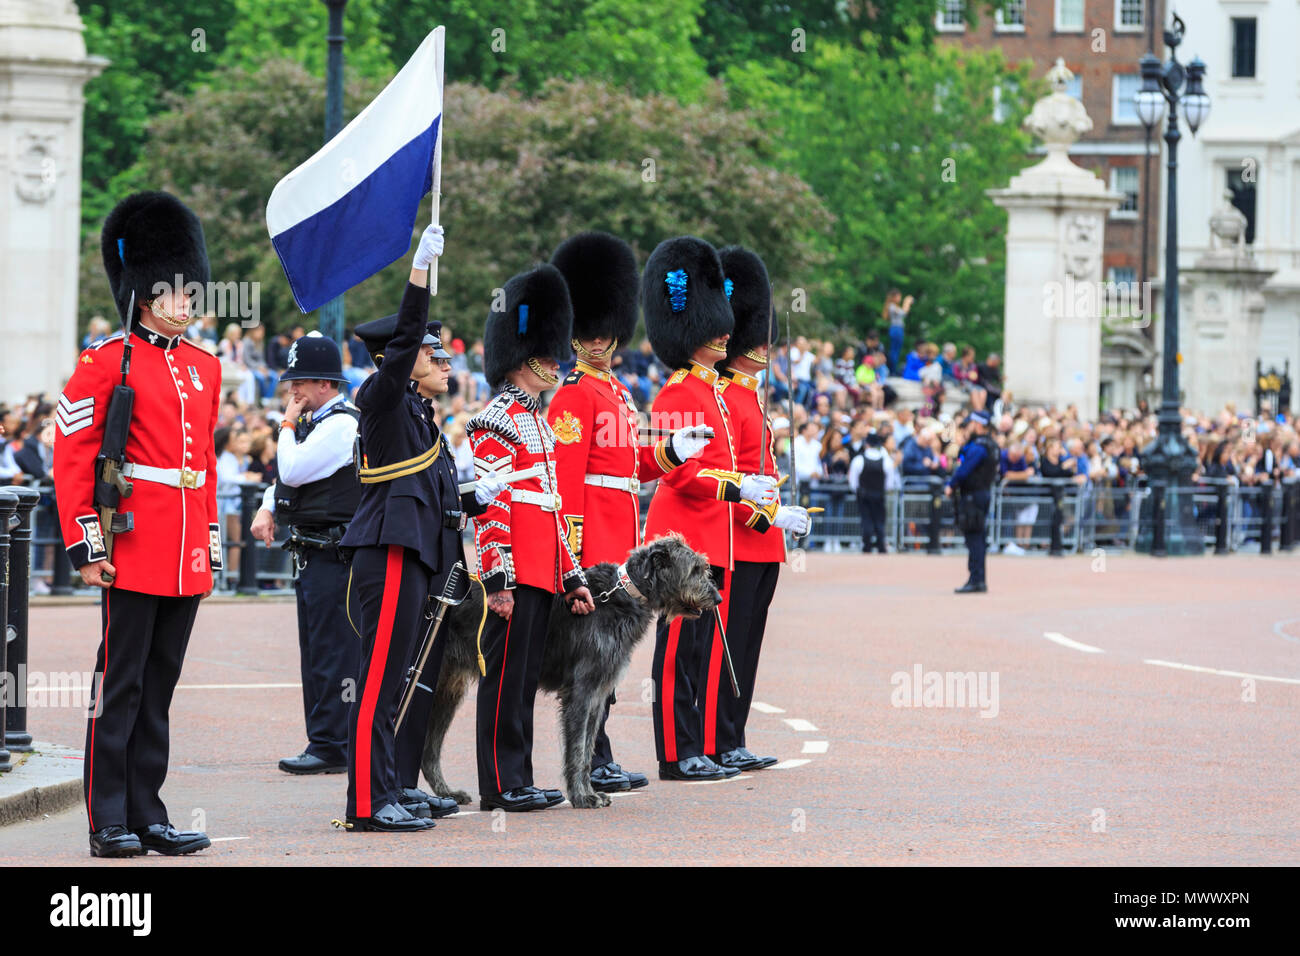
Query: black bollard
[1266,519]
[936,515]
[1286,531]
[1057,548]
[1221,518]
[16,737]
[1158,520]
[249,498]
[9,688]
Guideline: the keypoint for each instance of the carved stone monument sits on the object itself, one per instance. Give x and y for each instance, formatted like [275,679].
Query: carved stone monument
[1056,218]
[43,70]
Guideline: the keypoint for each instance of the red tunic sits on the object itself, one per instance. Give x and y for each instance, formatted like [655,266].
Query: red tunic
[754,537]
[510,434]
[695,499]
[595,423]
[176,541]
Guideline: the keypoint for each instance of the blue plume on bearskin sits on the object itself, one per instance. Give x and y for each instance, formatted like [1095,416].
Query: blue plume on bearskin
[679,321]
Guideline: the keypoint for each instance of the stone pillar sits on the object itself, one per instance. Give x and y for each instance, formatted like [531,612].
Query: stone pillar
[43,70]
[1056,218]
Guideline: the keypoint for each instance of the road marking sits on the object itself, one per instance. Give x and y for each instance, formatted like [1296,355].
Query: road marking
[763,708]
[1278,630]
[1066,642]
[798,723]
[237,686]
[1212,670]
[227,839]
[788,764]
[816,746]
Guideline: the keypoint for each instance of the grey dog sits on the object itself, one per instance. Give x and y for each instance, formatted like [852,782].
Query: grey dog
[586,655]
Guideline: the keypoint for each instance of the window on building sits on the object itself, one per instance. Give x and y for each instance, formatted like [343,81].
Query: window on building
[1069,16]
[1243,46]
[1243,197]
[1128,14]
[1075,87]
[1010,17]
[1121,274]
[951,16]
[1123,111]
[1124,180]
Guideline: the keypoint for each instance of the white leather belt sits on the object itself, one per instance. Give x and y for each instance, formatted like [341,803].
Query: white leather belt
[172,477]
[631,483]
[544,501]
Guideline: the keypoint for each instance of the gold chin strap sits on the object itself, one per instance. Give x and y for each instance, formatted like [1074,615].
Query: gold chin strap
[588,353]
[541,373]
[161,313]
[716,347]
[758,357]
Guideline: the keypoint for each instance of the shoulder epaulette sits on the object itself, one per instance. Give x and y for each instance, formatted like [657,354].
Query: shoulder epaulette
[115,337]
[495,417]
[723,382]
[574,377]
[678,376]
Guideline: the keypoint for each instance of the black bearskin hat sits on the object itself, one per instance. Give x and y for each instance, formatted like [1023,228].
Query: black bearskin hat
[537,322]
[601,273]
[751,300]
[151,238]
[683,298]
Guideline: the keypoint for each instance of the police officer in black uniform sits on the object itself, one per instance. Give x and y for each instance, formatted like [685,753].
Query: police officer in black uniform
[316,494]
[973,479]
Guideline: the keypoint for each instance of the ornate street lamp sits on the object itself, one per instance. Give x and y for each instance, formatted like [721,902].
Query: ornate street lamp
[1168,461]
[331,313]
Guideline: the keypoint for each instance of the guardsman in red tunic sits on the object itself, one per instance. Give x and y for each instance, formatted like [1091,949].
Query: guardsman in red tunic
[165,538]
[523,553]
[758,541]
[599,460]
[688,321]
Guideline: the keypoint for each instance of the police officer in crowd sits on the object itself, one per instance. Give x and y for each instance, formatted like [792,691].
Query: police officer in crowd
[316,495]
[868,472]
[973,479]
[156,555]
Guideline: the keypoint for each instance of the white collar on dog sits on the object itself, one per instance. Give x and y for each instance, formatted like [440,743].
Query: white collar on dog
[625,582]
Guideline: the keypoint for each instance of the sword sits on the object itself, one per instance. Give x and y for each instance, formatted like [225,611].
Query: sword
[794,475]
[767,403]
[726,653]
[444,600]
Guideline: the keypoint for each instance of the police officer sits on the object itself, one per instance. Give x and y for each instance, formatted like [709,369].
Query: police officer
[867,476]
[316,494]
[688,321]
[165,540]
[975,474]
[600,462]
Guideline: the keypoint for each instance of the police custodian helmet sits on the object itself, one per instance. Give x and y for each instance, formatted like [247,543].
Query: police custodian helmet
[314,356]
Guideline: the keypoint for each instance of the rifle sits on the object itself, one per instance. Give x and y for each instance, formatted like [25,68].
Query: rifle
[111,486]
[443,601]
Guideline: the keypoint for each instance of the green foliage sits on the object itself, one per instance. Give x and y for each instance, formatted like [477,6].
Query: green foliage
[297,30]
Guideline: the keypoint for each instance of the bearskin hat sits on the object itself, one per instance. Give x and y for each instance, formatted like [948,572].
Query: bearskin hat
[537,322]
[750,294]
[683,298]
[151,238]
[601,273]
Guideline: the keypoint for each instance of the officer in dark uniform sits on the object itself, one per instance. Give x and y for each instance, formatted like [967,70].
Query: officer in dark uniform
[316,494]
[973,479]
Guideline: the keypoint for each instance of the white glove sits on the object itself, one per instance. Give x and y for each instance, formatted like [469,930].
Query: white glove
[487,487]
[760,489]
[790,518]
[689,442]
[430,246]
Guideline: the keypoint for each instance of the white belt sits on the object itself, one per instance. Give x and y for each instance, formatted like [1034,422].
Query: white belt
[172,477]
[544,501]
[631,483]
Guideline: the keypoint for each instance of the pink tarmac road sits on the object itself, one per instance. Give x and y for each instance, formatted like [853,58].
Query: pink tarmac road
[1081,757]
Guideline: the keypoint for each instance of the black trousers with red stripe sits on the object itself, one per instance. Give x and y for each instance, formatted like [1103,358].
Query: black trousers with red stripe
[410,736]
[512,650]
[680,647]
[749,593]
[390,592]
[142,646]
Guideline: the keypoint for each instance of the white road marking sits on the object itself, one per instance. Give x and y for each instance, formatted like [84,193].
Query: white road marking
[798,723]
[816,746]
[1066,642]
[788,764]
[1212,670]
[79,689]
[227,839]
[763,708]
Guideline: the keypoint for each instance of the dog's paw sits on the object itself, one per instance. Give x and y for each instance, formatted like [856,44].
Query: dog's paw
[589,801]
[460,796]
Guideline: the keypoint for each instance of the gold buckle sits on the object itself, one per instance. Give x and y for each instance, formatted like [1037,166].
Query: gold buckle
[189,477]
[557,501]
[634,484]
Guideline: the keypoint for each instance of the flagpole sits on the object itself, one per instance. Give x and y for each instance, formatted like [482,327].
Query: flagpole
[437,156]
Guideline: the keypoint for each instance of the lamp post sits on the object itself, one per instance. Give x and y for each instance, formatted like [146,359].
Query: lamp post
[1168,461]
[331,313]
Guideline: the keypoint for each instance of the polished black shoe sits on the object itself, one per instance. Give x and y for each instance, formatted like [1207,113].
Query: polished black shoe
[693,768]
[634,779]
[743,759]
[439,807]
[519,800]
[390,818]
[607,779]
[165,839]
[305,763]
[114,841]
[553,797]
[971,588]
[418,809]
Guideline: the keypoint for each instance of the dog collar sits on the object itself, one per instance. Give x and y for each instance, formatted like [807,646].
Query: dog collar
[625,582]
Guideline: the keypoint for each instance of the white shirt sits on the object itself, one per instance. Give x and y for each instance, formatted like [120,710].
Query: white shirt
[802,363]
[807,458]
[893,481]
[327,449]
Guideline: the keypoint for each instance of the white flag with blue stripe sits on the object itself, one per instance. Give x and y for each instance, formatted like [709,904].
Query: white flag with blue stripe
[350,210]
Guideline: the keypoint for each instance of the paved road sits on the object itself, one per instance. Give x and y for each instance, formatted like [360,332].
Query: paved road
[1085,756]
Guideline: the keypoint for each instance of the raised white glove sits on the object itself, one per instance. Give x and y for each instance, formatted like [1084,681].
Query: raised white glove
[689,442]
[430,246]
[793,518]
[487,487]
[760,489]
